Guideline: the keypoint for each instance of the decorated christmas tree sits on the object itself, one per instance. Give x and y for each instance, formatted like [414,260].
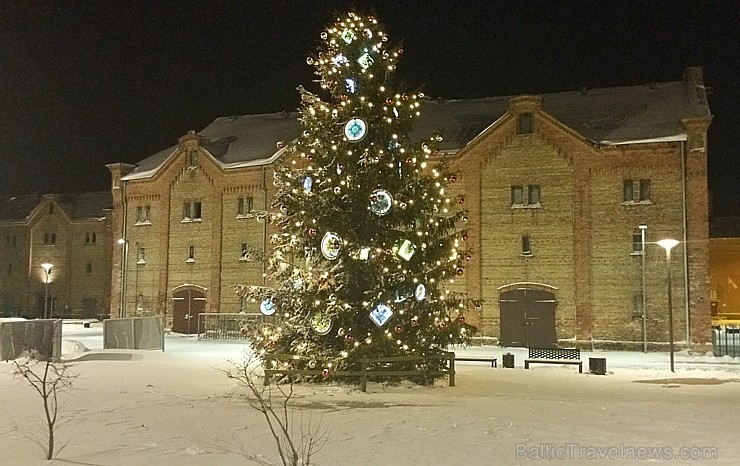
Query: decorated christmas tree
[370,241]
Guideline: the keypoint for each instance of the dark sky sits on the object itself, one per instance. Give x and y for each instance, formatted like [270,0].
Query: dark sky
[87,83]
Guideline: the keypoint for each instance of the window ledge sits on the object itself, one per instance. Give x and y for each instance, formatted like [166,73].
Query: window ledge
[186,220]
[629,203]
[190,260]
[526,206]
[637,253]
[145,222]
[141,262]
[526,254]
[197,220]
[247,215]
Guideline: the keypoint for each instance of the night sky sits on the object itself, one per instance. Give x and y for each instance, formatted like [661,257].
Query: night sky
[87,83]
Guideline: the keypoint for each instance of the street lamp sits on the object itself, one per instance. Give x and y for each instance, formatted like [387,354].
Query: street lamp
[643,231]
[124,258]
[47,268]
[669,244]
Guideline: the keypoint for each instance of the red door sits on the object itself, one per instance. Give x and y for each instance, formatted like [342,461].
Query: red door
[189,304]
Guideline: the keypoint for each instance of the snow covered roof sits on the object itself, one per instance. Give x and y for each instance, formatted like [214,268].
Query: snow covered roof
[77,206]
[610,116]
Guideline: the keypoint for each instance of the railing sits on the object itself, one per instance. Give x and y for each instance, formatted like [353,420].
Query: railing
[726,340]
[367,369]
[226,326]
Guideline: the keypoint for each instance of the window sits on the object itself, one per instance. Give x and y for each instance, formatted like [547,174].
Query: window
[191,254]
[524,124]
[51,209]
[10,240]
[526,246]
[191,211]
[636,191]
[140,302]
[142,215]
[525,198]
[534,194]
[247,252]
[90,238]
[196,211]
[637,244]
[192,159]
[141,256]
[244,205]
[89,268]
[637,305]
[517,195]
[10,269]
[94,238]
[50,238]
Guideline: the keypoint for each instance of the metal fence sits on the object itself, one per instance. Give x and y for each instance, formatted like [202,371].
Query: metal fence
[134,333]
[726,340]
[42,335]
[226,326]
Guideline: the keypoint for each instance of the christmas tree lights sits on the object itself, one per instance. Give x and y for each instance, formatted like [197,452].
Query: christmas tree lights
[369,241]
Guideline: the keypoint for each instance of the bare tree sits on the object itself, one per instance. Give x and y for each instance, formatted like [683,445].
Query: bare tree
[49,378]
[297,439]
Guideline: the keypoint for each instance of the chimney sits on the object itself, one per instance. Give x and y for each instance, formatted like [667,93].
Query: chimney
[694,74]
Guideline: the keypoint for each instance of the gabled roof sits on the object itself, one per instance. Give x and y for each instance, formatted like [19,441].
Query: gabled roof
[617,115]
[77,206]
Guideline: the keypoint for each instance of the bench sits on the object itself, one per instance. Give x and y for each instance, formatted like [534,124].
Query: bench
[554,356]
[478,359]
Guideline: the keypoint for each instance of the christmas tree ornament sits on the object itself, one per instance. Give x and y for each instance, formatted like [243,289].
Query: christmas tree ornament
[267,307]
[325,374]
[351,85]
[348,35]
[331,244]
[312,232]
[399,328]
[381,314]
[355,129]
[312,364]
[420,293]
[406,250]
[365,61]
[415,321]
[340,168]
[380,202]
[321,323]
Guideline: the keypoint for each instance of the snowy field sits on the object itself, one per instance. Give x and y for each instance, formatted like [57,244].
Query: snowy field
[175,408]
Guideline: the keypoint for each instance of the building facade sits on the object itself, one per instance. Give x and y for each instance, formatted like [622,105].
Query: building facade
[724,265]
[557,187]
[72,232]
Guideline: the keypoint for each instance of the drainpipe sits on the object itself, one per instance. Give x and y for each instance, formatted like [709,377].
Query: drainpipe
[124,250]
[685,244]
[264,225]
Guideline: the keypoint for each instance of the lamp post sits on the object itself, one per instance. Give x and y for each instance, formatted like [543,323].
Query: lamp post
[669,244]
[124,254]
[47,268]
[643,231]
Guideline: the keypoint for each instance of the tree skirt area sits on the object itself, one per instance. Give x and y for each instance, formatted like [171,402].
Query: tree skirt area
[177,408]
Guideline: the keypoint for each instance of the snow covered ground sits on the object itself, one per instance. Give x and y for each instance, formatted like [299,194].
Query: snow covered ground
[175,408]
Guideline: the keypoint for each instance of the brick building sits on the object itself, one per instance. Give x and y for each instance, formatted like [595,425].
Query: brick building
[556,185]
[70,231]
